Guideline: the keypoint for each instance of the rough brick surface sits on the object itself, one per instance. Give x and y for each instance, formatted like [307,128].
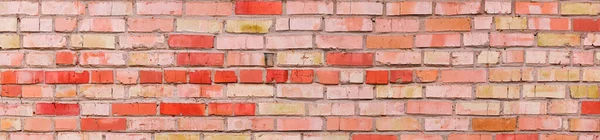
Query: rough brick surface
[299,70]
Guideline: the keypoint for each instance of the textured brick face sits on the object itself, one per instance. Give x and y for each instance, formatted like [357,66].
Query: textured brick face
[299,70]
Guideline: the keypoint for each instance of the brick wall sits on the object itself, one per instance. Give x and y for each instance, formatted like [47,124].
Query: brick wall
[299,70]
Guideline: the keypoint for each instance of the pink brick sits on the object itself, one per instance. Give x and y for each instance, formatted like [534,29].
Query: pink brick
[445,124]
[205,124]
[475,39]
[245,59]
[549,23]
[359,8]
[328,109]
[539,123]
[420,137]
[289,42]
[44,41]
[448,91]
[349,123]
[36,24]
[482,22]
[159,7]
[381,108]
[583,58]
[240,42]
[150,24]
[142,41]
[102,25]
[409,8]
[208,8]
[350,92]
[398,58]
[396,25]
[110,8]
[254,123]
[438,40]
[525,107]
[463,75]
[429,107]
[309,7]
[151,123]
[102,58]
[62,8]
[43,59]
[11,59]
[498,7]
[19,7]
[511,39]
[299,124]
[32,136]
[348,24]
[339,42]
[16,109]
[65,24]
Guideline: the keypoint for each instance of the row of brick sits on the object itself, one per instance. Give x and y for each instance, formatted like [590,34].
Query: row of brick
[301,91]
[177,8]
[336,59]
[298,76]
[118,124]
[295,136]
[328,24]
[363,108]
[296,41]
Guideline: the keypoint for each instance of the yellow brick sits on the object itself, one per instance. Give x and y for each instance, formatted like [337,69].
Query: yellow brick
[581,8]
[558,74]
[281,108]
[93,41]
[584,91]
[298,58]
[504,75]
[591,75]
[488,57]
[248,26]
[543,91]
[551,39]
[10,124]
[511,22]
[159,136]
[202,26]
[10,41]
[497,91]
[387,91]
[227,137]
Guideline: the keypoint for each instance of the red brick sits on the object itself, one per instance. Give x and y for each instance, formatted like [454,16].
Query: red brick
[58,109]
[22,77]
[182,109]
[277,76]
[374,137]
[225,76]
[200,59]
[401,76]
[349,59]
[67,77]
[150,77]
[200,77]
[328,77]
[258,8]
[103,124]
[251,76]
[66,58]
[379,77]
[302,76]
[517,137]
[586,25]
[191,41]
[590,107]
[133,109]
[175,76]
[11,91]
[102,77]
[232,109]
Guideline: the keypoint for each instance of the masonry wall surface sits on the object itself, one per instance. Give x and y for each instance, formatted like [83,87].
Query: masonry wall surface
[299,70]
